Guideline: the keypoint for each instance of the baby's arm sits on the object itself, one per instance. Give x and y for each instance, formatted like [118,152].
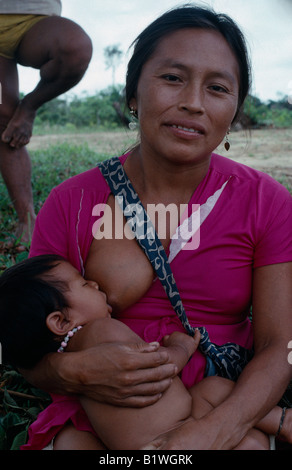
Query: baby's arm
[122,428]
[180,347]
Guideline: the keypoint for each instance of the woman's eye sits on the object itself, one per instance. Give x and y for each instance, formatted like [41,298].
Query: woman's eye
[171,78]
[219,89]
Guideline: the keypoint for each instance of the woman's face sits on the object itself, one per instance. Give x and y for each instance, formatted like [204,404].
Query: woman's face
[187,96]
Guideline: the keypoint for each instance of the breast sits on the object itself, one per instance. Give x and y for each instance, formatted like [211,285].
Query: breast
[117,263]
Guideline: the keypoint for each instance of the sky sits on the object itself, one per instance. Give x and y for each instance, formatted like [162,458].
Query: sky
[266,25]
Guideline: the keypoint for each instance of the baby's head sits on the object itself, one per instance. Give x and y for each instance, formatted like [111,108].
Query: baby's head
[41,300]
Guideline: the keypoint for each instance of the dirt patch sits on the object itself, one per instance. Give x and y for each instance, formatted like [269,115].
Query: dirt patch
[108,143]
[268,150]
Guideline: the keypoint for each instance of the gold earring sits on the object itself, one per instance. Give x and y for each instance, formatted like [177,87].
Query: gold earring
[227,143]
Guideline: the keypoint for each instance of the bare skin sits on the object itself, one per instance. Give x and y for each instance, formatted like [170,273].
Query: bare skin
[61,50]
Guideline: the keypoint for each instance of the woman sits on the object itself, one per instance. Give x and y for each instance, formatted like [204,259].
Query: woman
[186,82]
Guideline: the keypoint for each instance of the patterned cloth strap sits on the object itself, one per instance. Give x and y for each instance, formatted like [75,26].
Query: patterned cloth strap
[228,360]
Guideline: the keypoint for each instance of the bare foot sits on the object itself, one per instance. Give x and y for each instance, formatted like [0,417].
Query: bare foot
[19,129]
[21,239]
[24,232]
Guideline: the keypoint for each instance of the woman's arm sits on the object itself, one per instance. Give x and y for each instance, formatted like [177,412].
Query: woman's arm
[114,352]
[122,374]
[265,378]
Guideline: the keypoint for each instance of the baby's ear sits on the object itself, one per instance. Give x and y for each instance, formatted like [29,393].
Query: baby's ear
[57,323]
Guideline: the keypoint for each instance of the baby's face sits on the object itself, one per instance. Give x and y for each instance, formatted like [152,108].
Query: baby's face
[84,297]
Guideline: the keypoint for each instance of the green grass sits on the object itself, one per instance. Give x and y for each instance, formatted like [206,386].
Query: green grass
[19,406]
[49,168]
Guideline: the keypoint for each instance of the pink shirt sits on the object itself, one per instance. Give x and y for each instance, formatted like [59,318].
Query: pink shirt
[246,223]
[249,225]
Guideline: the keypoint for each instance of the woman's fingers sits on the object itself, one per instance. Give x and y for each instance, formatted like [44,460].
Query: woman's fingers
[133,374]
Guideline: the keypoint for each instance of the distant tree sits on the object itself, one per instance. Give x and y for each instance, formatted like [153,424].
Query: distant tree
[276,114]
[113,56]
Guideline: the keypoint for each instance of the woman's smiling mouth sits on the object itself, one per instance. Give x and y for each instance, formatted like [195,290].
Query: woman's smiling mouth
[186,131]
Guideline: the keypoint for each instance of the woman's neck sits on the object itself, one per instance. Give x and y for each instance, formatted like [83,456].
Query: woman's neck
[161,181]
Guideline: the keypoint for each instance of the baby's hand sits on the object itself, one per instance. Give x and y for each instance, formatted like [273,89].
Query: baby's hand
[182,341]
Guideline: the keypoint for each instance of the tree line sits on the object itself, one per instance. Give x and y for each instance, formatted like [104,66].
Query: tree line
[107,110]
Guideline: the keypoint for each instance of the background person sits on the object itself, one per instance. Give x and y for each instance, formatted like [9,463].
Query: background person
[33,34]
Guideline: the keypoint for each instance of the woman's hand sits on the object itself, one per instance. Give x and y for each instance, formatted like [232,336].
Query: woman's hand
[190,435]
[121,374]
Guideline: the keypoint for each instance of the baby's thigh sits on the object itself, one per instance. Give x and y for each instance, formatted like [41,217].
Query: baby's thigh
[208,394]
[70,438]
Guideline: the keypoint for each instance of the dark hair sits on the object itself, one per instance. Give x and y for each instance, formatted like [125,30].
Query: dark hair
[188,16]
[25,302]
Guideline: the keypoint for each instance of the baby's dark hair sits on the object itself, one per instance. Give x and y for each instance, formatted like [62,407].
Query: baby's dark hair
[27,297]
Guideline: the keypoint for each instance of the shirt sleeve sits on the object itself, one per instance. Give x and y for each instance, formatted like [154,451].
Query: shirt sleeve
[50,234]
[274,243]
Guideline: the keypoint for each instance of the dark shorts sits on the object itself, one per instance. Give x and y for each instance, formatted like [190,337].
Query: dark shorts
[12,30]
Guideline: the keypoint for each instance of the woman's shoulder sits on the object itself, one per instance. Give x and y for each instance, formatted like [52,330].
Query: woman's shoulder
[245,175]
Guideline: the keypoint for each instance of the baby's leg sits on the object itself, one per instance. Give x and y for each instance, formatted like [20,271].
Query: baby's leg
[131,428]
[210,393]
[69,438]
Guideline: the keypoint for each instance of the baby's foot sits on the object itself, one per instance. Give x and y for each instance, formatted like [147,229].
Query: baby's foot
[19,129]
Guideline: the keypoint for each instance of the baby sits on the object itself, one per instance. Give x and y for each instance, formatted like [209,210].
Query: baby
[47,306]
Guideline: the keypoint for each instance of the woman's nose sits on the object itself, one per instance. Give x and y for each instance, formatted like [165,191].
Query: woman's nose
[192,99]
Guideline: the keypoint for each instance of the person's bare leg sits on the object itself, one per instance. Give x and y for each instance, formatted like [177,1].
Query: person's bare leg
[16,173]
[15,164]
[204,400]
[206,395]
[210,393]
[69,438]
[61,50]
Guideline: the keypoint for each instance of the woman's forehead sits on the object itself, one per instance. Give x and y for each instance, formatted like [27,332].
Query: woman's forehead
[195,47]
